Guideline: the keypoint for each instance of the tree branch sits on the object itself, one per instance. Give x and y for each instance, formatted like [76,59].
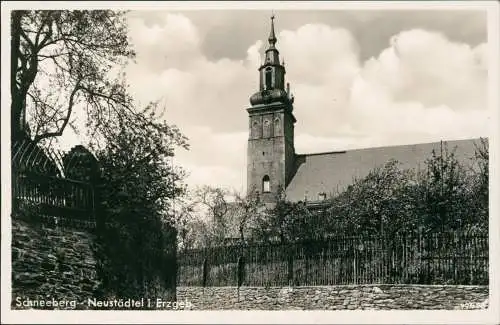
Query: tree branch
[59,132]
[48,34]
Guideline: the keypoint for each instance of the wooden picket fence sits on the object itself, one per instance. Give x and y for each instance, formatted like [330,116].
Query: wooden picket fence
[438,258]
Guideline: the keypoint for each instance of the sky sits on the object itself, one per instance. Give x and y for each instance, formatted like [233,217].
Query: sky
[360,79]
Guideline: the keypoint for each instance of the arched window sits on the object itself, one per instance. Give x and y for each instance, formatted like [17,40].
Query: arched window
[255,129]
[266,184]
[277,126]
[266,132]
[269,77]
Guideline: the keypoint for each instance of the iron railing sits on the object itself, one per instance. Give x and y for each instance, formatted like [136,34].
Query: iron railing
[40,186]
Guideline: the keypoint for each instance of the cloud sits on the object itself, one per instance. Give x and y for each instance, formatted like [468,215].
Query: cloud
[195,90]
[421,87]
[433,70]
[321,65]
[422,84]
[174,43]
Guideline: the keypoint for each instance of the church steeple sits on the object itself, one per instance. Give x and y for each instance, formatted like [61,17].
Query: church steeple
[271,152]
[271,75]
[272,54]
[272,37]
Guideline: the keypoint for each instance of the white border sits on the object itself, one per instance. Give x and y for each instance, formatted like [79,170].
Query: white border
[490,316]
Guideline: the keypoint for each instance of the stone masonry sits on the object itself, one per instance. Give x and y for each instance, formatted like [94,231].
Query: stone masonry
[52,263]
[345,297]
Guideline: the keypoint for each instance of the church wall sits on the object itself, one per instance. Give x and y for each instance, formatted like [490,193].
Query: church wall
[268,158]
[270,151]
[289,150]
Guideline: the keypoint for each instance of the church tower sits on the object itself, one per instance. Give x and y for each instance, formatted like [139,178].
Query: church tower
[271,151]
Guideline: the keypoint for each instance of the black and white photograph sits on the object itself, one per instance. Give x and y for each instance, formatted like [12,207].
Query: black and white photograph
[318,158]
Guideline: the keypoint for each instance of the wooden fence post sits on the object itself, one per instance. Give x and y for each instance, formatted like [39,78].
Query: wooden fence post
[471,268]
[455,266]
[241,270]
[354,265]
[290,267]
[205,273]
[405,258]
[241,273]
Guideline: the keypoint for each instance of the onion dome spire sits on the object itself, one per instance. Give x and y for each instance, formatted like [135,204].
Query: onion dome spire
[271,76]
[272,36]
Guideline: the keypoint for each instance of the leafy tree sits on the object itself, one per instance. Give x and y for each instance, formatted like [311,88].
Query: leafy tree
[379,203]
[60,64]
[285,221]
[444,200]
[441,195]
[479,195]
[390,200]
[137,191]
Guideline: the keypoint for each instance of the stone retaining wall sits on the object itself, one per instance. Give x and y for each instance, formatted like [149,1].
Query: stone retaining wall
[58,264]
[337,297]
[50,262]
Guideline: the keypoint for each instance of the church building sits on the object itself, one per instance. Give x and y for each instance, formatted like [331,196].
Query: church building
[273,162]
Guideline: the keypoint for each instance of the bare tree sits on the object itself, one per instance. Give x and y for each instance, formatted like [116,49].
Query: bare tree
[186,223]
[60,64]
[213,199]
[249,207]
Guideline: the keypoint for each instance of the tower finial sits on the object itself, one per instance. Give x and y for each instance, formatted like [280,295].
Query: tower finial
[272,36]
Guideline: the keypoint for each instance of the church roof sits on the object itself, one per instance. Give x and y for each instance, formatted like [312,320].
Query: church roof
[333,171]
